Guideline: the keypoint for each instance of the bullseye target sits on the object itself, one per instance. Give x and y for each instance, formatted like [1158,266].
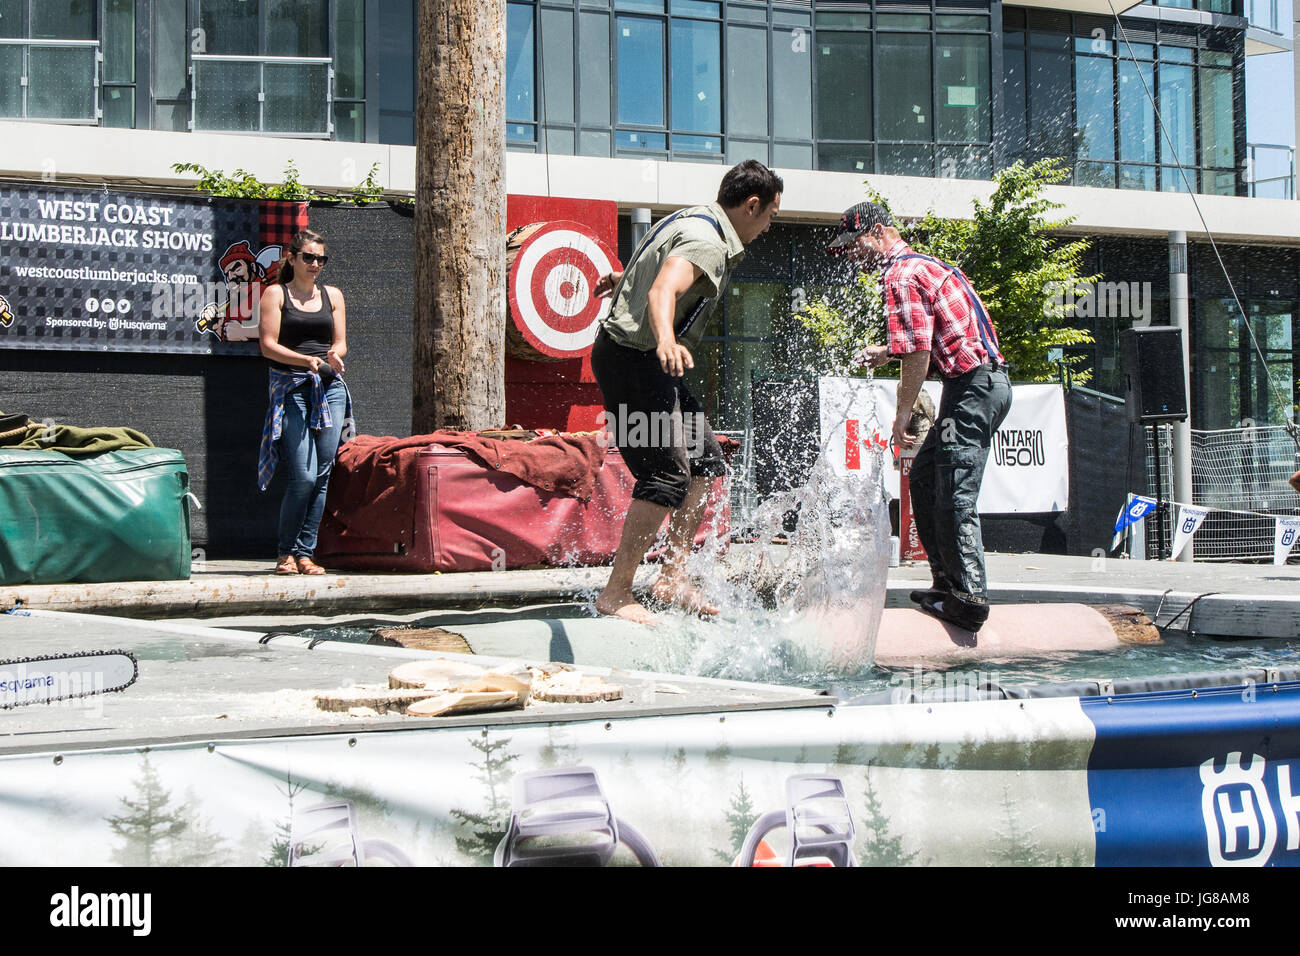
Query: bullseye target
[553,271]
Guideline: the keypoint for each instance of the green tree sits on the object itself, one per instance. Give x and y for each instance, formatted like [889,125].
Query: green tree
[1020,846]
[740,817]
[148,823]
[488,828]
[279,852]
[878,846]
[1025,276]
[196,844]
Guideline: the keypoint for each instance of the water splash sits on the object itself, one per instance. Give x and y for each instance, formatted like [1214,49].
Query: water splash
[802,598]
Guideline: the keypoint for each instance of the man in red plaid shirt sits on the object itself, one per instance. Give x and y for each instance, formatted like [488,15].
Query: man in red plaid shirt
[936,321]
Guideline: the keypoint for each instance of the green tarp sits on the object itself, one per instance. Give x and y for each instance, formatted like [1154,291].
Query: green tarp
[19,431]
[115,516]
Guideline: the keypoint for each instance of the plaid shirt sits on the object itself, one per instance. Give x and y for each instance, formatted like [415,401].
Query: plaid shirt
[280,385]
[930,310]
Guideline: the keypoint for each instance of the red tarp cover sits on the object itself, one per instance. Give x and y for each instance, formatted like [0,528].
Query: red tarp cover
[457,501]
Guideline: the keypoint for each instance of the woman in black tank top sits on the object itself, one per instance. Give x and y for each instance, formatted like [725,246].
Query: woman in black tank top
[303,334]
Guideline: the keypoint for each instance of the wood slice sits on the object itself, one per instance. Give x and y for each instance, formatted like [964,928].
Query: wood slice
[381,700]
[1131,625]
[422,639]
[425,673]
[498,683]
[463,703]
[586,690]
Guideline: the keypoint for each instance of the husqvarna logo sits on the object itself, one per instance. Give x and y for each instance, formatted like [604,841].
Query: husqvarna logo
[1241,825]
[1137,510]
[1189,524]
[1288,537]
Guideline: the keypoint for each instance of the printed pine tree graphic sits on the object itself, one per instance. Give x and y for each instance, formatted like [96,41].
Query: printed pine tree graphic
[488,828]
[740,817]
[877,845]
[1020,847]
[556,753]
[373,812]
[279,852]
[196,844]
[148,823]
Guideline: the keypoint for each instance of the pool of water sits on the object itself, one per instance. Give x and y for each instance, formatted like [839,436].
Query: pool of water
[757,651]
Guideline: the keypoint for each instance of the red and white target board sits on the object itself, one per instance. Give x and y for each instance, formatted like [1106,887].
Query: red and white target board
[553,270]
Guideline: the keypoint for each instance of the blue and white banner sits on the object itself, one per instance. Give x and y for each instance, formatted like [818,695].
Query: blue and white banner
[1138,507]
[1190,518]
[1211,779]
[1284,536]
[1155,779]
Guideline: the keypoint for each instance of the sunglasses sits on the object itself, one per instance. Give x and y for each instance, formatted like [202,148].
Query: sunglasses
[311,258]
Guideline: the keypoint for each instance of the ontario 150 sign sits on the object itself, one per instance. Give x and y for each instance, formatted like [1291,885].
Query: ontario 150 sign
[126,272]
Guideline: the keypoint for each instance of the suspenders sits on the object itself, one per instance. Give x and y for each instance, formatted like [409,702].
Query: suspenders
[982,321]
[689,319]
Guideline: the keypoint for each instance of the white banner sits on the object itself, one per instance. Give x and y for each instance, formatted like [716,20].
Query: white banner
[1284,538]
[852,426]
[1028,467]
[684,789]
[1189,521]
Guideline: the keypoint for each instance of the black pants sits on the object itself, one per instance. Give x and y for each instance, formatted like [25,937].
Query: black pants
[659,427]
[946,477]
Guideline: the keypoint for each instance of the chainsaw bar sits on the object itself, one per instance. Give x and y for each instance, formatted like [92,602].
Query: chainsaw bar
[44,680]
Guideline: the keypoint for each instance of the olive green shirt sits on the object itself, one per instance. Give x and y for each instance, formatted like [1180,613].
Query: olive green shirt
[689,238]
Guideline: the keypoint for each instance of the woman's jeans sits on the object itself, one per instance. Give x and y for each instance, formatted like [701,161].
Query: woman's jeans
[308,458]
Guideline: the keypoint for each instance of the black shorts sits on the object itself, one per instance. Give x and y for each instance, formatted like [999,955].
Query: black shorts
[658,425]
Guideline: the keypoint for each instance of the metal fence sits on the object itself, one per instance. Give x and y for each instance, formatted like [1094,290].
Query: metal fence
[1241,475]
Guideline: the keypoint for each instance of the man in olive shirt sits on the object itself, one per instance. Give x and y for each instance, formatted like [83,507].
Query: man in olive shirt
[662,301]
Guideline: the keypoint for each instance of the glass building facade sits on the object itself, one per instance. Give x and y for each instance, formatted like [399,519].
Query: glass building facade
[900,88]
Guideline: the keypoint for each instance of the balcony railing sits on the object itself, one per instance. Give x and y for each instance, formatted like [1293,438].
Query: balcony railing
[1271,170]
[280,95]
[58,80]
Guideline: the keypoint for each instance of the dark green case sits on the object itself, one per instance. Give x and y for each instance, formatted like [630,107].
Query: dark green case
[118,516]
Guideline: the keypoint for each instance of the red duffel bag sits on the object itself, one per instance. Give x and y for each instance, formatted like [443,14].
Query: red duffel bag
[445,509]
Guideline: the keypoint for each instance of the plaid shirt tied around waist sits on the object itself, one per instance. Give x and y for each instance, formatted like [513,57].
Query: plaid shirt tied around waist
[932,308]
[281,383]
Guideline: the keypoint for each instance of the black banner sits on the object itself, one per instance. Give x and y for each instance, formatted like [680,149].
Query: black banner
[102,270]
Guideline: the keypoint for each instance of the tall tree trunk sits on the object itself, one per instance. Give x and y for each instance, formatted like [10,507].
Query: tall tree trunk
[460,205]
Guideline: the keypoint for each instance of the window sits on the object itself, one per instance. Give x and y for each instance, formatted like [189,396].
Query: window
[396,70]
[640,71]
[1177,109]
[1095,121]
[962,72]
[669,79]
[843,86]
[264,68]
[49,60]
[1061,73]
[170,81]
[903,79]
[521,112]
[350,70]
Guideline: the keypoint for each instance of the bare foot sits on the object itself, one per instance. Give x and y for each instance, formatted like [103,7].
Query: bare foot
[625,607]
[683,595]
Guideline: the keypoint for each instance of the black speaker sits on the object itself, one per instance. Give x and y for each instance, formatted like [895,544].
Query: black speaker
[1155,389]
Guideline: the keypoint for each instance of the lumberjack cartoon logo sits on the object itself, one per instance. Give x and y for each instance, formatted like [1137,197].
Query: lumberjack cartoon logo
[236,318]
[6,313]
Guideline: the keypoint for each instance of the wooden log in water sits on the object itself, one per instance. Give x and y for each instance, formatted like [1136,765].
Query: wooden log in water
[909,636]
[422,639]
